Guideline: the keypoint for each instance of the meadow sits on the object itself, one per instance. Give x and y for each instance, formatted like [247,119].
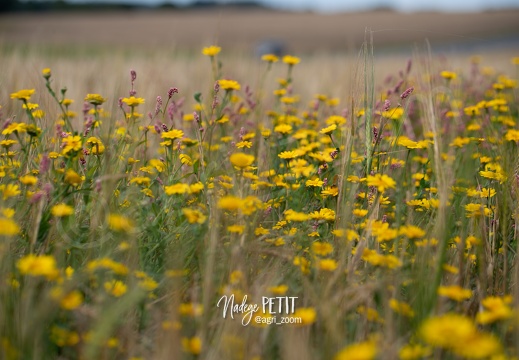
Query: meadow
[142,190]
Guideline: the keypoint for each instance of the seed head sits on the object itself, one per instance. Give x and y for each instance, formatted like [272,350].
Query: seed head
[387,105]
[172,91]
[44,164]
[406,93]
[158,105]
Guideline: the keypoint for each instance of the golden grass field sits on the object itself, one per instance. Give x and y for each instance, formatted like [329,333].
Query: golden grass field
[378,187]
[242,29]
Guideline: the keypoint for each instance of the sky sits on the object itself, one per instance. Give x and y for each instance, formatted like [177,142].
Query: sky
[352,5]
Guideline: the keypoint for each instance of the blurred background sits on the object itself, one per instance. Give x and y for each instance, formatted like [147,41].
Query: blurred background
[259,26]
[92,44]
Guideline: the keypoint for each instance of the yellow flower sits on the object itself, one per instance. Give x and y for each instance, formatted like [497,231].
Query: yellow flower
[158,164]
[211,50]
[8,143]
[458,334]
[73,178]
[494,171]
[495,309]
[229,85]
[323,214]
[95,99]
[112,342]
[278,290]
[333,102]
[97,145]
[243,144]
[185,159]
[271,58]
[196,188]
[410,144]
[132,101]
[322,248]
[115,287]
[280,92]
[194,216]
[291,60]
[316,182]
[414,352]
[241,160]
[479,346]
[72,300]
[366,350]
[29,180]
[141,180]
[190,309]
[283,129]
[8,227]
[308,315]
[411,231]
[455,292]
[381,182]
[449,75]
[33,265]
[236,229]
[147,283]
[172,134]
[383,232]
[8,212]
[289,154]
[512,135]
[120,223]
[9,190]
[447,330]
[192,345]
[328,130]
[336,119]
[188,117]
[472,110]
[230,203]
[360,212]
[62,210]
[376,259]
[327,264]
[177,189]
[459,142]
[289,99]
[30,106]
[393,114]
[14,128]
[38,114]
[46,73]
[475,210]
[24,94]
[71,143]
[330,191]
[401,307]
[261,231]
[291,215]
[108,264]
